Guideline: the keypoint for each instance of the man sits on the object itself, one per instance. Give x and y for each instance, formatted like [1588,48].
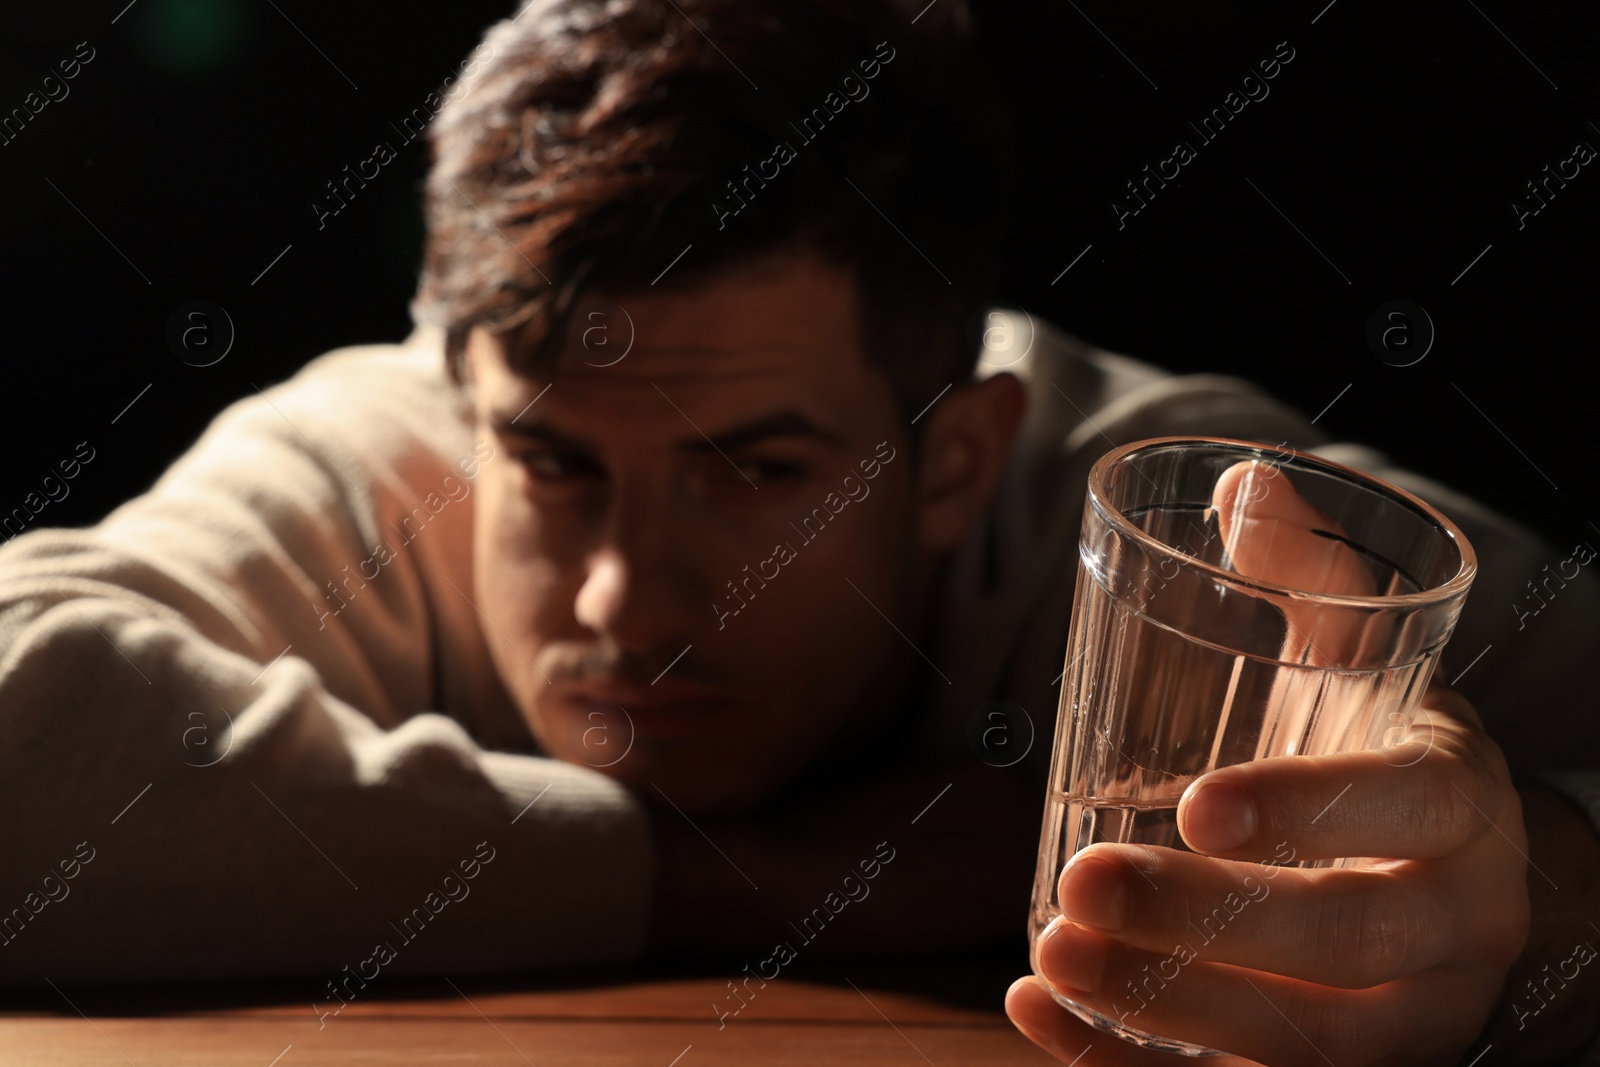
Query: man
[676,615]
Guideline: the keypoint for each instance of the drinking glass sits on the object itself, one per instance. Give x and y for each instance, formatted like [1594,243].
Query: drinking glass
[1235,601]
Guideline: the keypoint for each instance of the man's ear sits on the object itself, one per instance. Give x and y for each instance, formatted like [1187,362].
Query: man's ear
[964,451]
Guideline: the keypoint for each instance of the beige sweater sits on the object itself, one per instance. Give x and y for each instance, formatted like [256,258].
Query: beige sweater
[210,772]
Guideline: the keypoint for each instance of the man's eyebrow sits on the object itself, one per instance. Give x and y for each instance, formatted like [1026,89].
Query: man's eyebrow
[508,423]
[785,423]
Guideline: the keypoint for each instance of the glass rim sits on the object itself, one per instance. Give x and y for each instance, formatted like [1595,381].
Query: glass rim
[1455,586]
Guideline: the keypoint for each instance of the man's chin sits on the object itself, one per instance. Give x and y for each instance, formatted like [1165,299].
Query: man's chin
[699,767]
[677,776]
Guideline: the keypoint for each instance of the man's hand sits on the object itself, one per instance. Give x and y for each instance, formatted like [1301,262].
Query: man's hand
[1399,961]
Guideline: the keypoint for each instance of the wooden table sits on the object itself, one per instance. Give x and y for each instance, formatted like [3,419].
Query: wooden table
[943,1013]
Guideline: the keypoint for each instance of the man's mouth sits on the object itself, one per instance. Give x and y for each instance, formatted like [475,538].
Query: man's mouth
[659,712]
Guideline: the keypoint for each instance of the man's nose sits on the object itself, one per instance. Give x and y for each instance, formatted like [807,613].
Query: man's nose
[635,586]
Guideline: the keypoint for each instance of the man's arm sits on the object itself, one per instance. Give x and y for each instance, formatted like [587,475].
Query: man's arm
[1550,1007]
[915,861]
[215,730]
[1481,884]
[1524,652]
[1524,662]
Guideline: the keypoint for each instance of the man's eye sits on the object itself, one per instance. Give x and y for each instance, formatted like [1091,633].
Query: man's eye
[558,466]
[769,471]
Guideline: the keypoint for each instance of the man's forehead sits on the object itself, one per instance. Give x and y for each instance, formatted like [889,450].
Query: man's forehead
[698,380]
[708,338]
[672,391]
[649,373]
[781,333]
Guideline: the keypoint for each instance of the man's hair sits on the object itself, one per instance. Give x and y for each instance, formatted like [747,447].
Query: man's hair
[602,138]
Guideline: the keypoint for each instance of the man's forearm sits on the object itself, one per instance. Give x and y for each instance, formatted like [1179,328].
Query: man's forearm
[958,877]
[1550,1007]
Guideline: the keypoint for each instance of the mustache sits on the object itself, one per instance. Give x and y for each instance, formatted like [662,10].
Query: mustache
[605,661]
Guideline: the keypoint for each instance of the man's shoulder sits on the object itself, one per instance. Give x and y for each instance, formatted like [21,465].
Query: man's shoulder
[1085,398]
[421,341]
[361,403]
[410,371]
[1006,597]
[1043,355]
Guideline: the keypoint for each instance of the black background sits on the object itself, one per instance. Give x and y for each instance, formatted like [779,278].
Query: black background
[1395,142]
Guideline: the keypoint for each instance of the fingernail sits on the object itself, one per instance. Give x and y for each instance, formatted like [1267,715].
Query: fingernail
[1072,958]
[1094,893]
[1220,818]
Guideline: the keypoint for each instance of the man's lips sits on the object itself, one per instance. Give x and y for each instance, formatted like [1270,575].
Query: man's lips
[651,711]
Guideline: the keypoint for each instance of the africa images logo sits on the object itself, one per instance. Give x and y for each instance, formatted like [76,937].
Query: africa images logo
[811,126]
[811,526]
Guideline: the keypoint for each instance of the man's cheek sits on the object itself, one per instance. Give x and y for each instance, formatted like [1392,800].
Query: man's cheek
[510,529]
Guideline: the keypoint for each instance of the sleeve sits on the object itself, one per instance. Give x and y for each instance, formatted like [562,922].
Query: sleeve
[1527,637]
[210,775]
[1527,634]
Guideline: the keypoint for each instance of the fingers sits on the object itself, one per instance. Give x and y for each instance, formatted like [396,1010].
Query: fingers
[1441,698]
[1389,804]
[1046,1023]
[1272,534]
[1269,1019]
[1073,1041]
[1347,928]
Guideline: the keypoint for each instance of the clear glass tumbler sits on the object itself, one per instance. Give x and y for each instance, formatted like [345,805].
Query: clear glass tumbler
[1234,602]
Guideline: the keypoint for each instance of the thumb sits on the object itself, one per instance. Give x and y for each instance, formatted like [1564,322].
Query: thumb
[1273,534]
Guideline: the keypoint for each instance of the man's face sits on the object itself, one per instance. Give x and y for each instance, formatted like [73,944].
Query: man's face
[682,555]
